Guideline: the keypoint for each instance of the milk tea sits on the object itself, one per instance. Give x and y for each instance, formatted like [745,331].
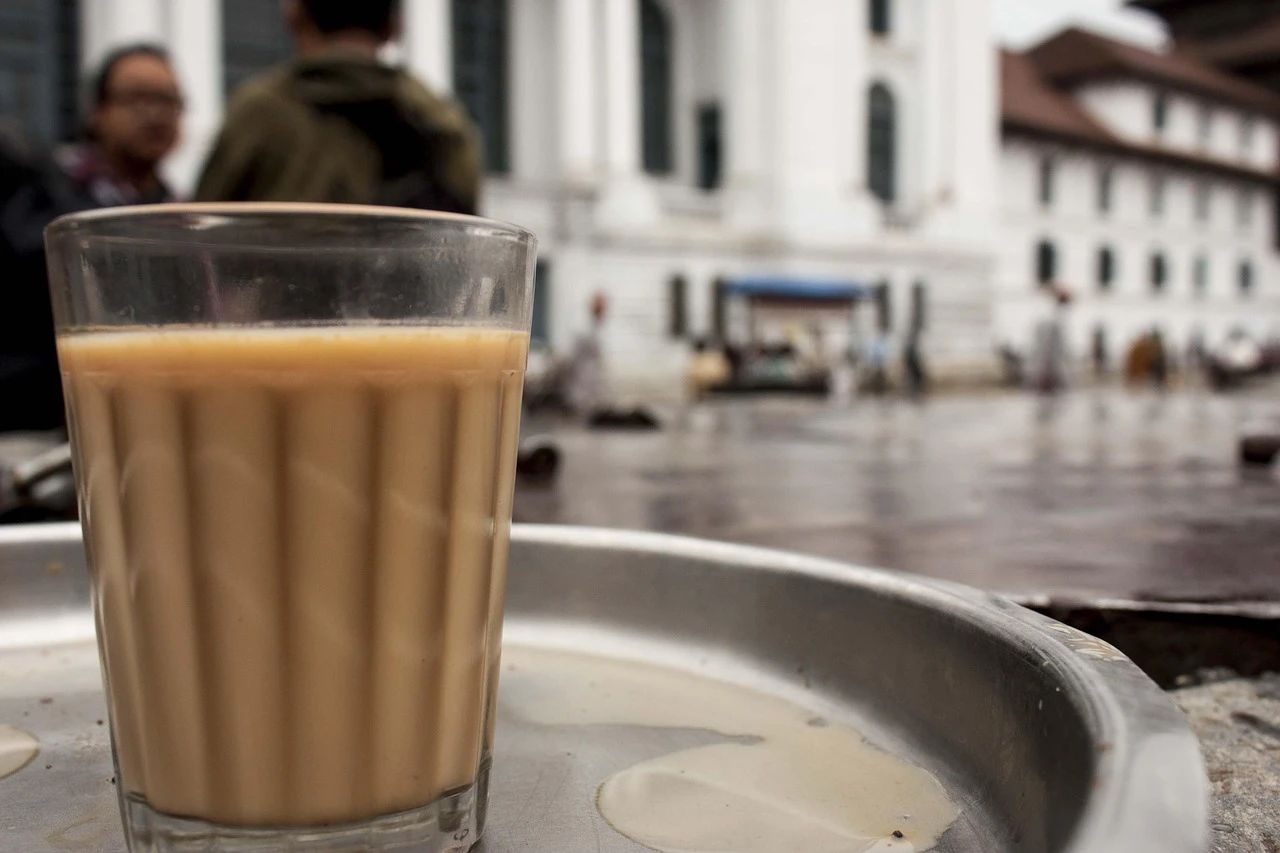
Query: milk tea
[299,540]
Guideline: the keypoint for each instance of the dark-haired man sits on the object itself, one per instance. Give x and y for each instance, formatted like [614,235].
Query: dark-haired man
[133,124]
[337,125]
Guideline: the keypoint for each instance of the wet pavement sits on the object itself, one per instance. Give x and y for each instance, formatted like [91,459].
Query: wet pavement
[1096,493]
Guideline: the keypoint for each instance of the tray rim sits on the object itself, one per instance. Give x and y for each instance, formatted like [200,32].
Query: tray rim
[1140,737]
[1150,790]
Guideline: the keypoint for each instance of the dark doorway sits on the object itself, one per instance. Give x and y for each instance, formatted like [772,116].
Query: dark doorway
[709,146]
[480,61]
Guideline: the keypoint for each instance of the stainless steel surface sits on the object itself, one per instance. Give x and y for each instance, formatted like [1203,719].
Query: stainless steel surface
[1048,739]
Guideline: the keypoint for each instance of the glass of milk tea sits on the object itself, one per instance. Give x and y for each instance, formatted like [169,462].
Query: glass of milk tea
[294,433]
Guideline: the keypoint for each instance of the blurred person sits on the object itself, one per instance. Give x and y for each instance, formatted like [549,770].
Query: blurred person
[1098,354]
[1138,361]
[1049,357]
[29,381]
[877,363]
[844,376]
[133,123]
[708,369]
[1159,360]
[913,365]
[586,376]
[337,125]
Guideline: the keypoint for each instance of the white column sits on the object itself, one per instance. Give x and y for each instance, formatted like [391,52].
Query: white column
[195,43]
[627,198]
[427,39]
[935,108]
[963,157]
[576,86]
[107,24]
[745,75]
[976,85]
[816,120]
[748,80]
[620,21]
[859,75]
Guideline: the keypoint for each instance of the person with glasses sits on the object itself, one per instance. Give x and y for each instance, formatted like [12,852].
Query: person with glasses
[134,122]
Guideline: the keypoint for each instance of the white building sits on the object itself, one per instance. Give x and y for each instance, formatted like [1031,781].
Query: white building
[657,147]
[823,148]
[1144,185]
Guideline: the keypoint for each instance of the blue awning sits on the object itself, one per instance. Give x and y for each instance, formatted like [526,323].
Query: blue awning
[782,287]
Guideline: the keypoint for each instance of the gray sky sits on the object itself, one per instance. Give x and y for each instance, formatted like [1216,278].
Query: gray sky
[1022,23]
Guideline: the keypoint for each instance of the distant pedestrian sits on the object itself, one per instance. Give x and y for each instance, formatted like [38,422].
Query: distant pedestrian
[1101,358]
[877,378]
[338,125]
[708,369]
[913,366]
[1159,360]
[1049,357]
[586,374]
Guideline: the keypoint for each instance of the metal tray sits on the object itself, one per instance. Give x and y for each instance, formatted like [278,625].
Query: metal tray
[1048,739]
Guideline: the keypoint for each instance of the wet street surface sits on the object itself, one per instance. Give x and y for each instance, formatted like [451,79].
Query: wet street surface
[1097,493]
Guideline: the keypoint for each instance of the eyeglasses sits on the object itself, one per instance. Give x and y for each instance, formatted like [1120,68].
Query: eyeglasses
[147,99]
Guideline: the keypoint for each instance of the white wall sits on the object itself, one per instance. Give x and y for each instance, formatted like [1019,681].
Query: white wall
[1126,108]
[1078,229]
[1122,106]
[532,69]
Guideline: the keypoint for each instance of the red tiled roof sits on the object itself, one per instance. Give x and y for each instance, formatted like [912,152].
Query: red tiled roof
[1030,104]
[1075,55]
[1028,101]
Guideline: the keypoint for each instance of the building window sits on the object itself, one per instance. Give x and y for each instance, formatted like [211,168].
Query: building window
[1204,125]
[1200,276]
[709,146]
[719,308]
[881,142]
[1156,199]
[879,17]
[1246,135]
[1244,207]
[1245,280]
[541,326]
[1046,262]
[1159,273]
[39,69]
[1104,188]
[1106,268]
[480,73]
[254,38]
[1048,171]
[677,306]
[1202,201]
[655,87]
[1160,112]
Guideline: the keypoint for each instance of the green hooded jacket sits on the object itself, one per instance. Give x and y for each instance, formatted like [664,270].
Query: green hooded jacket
[343,129]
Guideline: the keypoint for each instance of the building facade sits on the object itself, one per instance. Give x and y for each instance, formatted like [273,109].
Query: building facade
[665,151]
[1142,185]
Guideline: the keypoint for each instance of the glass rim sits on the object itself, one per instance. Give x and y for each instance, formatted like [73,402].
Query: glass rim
[72,222]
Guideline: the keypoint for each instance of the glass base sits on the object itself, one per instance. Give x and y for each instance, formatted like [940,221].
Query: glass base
[452,824]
